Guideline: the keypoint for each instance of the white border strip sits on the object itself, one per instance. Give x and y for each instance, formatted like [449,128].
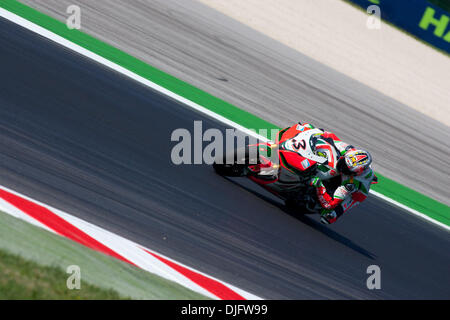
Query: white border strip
[410,210]
[70,45]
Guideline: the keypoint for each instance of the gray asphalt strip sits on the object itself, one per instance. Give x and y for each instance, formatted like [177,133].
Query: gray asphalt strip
[89,141]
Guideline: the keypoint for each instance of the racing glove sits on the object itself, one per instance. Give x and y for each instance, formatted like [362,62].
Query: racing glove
[315,182]
[328,217]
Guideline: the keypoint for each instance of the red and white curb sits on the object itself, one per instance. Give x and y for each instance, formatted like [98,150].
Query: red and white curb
[101,240]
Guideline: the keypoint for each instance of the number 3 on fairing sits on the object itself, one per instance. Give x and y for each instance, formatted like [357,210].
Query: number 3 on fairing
[299,144]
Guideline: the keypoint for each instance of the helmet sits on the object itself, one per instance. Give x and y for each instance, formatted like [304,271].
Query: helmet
[354,162]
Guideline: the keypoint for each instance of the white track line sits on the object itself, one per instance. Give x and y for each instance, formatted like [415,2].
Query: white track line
[70,45]
[415,212]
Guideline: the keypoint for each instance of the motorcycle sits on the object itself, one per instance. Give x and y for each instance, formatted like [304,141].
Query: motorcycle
[283,168]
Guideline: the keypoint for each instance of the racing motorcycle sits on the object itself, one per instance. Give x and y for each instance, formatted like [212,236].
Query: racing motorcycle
[283,168]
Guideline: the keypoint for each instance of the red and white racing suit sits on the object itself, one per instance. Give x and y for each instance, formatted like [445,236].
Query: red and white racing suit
[352,190]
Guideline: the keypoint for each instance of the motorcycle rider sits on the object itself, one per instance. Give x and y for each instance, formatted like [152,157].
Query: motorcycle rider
[352,165]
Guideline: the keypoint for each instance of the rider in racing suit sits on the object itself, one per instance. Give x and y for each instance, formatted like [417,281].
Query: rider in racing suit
[352,165]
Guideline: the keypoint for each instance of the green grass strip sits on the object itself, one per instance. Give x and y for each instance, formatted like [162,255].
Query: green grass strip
[23,279]
[389,188]
[24,247]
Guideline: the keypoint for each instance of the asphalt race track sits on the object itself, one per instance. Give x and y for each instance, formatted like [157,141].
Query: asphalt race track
[93,143]
[248,69]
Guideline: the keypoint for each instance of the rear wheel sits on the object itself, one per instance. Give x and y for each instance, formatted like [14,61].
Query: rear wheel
[234,164]
[302,202]
[229,170]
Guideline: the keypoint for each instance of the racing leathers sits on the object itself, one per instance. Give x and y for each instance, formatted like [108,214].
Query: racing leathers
[351,190]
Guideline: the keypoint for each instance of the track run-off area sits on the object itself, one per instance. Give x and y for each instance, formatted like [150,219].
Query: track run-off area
[89,141]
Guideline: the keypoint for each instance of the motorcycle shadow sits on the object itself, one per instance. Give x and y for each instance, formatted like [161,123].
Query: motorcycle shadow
[305,219]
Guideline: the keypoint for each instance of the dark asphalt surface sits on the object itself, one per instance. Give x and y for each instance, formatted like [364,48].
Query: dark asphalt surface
[239,65]
[93,143]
